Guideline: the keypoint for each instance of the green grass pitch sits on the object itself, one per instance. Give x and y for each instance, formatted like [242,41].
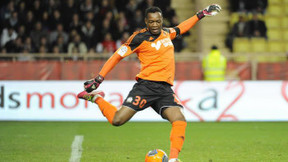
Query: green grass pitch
[205,142]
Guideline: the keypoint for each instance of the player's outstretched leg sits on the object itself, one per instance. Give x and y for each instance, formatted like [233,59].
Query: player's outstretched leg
[105,107]
[177,136]
[114,116]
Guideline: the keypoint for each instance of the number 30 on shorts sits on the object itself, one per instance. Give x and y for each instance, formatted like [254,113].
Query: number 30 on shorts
[139,101]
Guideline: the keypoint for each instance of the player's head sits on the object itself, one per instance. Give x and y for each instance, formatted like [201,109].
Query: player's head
[154,20]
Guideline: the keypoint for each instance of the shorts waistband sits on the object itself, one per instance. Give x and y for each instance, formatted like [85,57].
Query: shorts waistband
[159,82]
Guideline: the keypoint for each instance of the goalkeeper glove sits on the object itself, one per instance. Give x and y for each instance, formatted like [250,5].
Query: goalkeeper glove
[211,10]
[93,84]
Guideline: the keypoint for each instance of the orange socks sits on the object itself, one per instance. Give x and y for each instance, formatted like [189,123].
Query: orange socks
[106,108]
[177,137]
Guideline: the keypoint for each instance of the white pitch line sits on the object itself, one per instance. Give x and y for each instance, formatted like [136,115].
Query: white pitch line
[77,149]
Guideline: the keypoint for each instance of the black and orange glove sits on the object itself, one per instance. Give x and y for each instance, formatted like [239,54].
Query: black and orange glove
[93,84]
[211,10]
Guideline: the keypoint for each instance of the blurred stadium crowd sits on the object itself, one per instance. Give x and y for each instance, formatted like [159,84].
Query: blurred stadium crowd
[75,26]
[248,24]
[258,26]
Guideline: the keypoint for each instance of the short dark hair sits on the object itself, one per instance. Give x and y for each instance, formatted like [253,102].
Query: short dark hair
[214,47]
[152,10]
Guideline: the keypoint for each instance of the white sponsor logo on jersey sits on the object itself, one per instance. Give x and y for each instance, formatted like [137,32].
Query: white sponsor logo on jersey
[166,42]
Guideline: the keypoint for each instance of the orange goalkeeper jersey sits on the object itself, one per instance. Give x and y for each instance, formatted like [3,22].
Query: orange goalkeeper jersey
[155,52]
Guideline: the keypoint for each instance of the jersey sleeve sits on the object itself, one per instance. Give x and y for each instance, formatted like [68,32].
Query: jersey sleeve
[182,27]
[126,49]
[130,46]
[173,32]
[188,24]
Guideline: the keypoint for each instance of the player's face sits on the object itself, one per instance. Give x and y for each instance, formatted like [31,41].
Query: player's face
[154,22]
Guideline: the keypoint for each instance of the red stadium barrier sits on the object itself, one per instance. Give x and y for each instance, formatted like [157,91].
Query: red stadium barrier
[42,70]
[272,71]
[82,70]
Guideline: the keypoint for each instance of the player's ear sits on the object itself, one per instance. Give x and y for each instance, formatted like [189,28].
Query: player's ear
[146,21]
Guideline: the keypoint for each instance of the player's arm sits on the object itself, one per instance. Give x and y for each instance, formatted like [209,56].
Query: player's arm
[125,50]
[186,25]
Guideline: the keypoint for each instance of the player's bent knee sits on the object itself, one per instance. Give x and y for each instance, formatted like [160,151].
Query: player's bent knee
[174,114]
[117,122]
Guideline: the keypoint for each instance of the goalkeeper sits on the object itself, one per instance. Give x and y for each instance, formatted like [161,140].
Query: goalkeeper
[155,51]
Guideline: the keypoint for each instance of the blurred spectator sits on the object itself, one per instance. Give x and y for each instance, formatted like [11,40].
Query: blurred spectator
[91,51]
[132,6]
[240,29]
[90,17]
[76,23]
[37,10]
[109,16]
[58,32]
[86,6]
[3,50]
[37,34]
[52,5]
[60,44]
[169,13]
[138,21]
[43,50]
[44,42]
[145,4]
[120,5]
[45,21]
[248,5]
[104,9]
[107,45]
[24,56]
[80,46]
[22,32]
[122,26]
[28,45]
[72,34]
[163,4]
[55,19]
[22,11]
[6,11]
[13,20]
[14,46]
[124,38]
[130,9]
[105,28]
[68,10]
[29,22]
[55,50]
[256,27]
[7,35]
[88,31]
[237,5]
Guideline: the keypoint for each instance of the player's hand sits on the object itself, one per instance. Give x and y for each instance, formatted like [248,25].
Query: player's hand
[211,10]
[93,84]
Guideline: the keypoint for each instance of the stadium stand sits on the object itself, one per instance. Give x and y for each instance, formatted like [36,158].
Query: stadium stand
[93,20]
[276,23]
[74,34]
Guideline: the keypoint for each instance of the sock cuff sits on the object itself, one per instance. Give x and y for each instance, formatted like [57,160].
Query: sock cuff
[179,123]
[98,99]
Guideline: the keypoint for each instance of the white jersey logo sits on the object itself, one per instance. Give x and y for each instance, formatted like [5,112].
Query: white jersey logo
[166,42]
